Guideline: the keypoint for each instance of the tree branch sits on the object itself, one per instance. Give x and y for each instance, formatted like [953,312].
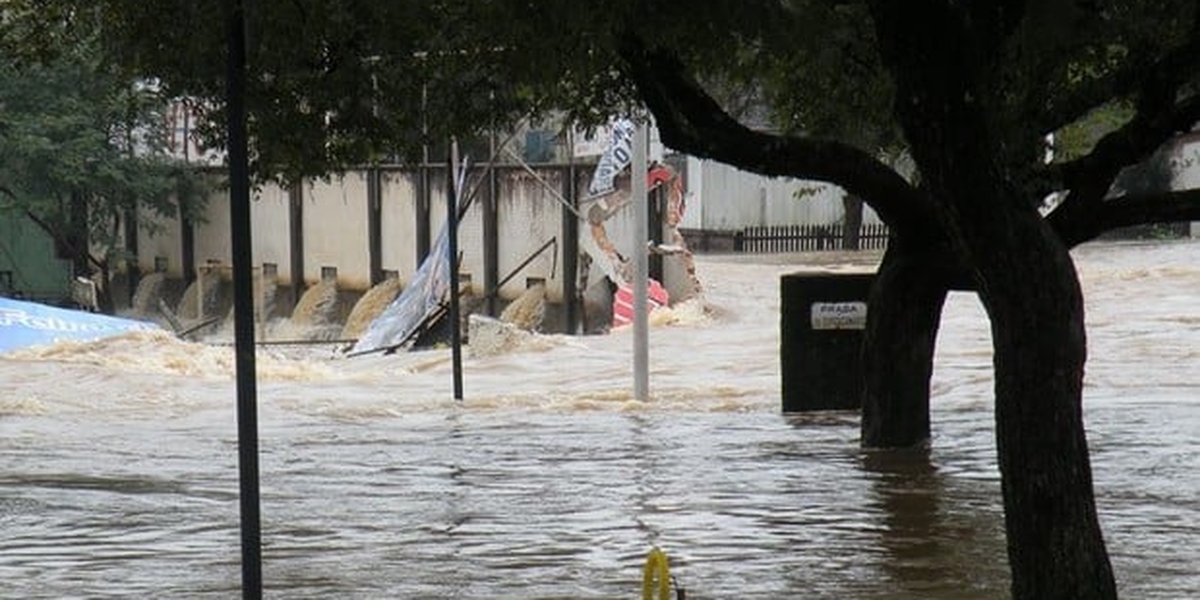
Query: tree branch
[1181,63]
[1146,132]
[690,120]
[59,238]
[1140,209]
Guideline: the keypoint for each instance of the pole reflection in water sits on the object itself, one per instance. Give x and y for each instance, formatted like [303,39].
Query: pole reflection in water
[118,472]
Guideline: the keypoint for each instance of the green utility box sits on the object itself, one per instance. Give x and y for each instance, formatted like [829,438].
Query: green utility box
[823,319]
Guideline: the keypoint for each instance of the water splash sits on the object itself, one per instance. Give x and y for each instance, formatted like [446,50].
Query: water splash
[491,337]
[370,306]
[316,315]
[149,293]
[528,310]
[202,298]
[689,313]
[160,352]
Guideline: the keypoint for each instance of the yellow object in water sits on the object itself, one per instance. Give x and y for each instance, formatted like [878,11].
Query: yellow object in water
[656,571]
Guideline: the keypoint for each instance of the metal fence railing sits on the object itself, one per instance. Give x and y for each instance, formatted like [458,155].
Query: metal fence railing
[807,238]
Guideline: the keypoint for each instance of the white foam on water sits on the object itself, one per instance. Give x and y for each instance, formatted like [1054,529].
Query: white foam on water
[160,352]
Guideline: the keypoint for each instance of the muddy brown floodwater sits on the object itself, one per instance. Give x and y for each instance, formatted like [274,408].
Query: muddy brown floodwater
[118,473]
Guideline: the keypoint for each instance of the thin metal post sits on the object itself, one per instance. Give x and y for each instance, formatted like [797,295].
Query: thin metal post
[452,239]
[491,230]
[296,239]
[243,302]
[641,263]
[570,246]
[375,223]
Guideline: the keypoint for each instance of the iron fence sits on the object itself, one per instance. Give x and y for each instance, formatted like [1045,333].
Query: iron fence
[808,238]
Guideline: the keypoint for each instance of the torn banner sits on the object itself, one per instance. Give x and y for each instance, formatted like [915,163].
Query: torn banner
[616,157]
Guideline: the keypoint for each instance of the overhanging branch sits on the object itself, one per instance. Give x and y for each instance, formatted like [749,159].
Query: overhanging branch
[1133,142]
[1130,210]
[690,120]
[1164,207]
[1089,178]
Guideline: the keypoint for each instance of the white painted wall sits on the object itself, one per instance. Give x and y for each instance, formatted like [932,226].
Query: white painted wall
[212,236]
[529,215]
[335,230]
[270,224]
[398,223]
[160,238]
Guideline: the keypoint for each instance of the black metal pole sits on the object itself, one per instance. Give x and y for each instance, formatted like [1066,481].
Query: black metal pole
[243,302]
[491,231]
[187,248]
[655,204]
[570,249]
[452,239]
[296,239]
[424,210]
[375,223]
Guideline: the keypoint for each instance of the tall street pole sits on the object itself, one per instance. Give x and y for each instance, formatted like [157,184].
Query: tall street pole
[641,266]
[243,302]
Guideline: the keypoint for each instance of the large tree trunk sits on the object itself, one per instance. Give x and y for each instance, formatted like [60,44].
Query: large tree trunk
[903,313]
[1025,279]
[1032,295]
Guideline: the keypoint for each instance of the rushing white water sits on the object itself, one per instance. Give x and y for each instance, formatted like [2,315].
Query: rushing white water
[118,473]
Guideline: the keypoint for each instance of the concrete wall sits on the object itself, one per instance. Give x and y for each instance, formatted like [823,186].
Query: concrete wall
[212,241]
[470,227]
[398,222]
[335,230]
[270,223]
[528,216]
[335,221]
[160,238]
[335,216]
[159,241]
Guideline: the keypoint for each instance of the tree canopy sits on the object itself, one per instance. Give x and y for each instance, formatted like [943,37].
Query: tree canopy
[336,84]
[80,143]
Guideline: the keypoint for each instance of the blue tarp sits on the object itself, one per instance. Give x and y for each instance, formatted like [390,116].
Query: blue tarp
[24,324]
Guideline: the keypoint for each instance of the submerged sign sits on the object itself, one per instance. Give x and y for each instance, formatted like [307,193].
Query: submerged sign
[24,324]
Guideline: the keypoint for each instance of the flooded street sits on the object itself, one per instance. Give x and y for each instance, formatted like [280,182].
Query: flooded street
[118,474]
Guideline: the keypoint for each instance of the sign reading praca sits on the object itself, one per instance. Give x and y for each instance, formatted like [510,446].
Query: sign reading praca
[839,315]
